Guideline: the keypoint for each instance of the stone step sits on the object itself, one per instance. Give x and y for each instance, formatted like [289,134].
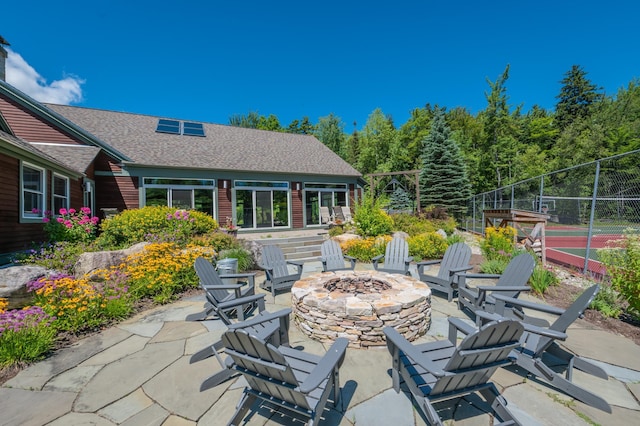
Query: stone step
[297,248]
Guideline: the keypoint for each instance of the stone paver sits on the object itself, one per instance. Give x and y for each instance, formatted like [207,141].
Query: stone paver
[138,373]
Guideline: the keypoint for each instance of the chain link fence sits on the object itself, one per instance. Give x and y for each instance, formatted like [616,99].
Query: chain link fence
[588,206]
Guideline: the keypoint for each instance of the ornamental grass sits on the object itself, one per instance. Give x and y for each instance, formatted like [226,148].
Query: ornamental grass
[25,334]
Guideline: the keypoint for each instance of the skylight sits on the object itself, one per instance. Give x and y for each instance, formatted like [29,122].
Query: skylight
[175,127]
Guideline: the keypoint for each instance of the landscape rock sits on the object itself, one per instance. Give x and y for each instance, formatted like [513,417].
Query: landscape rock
[14,279]
[92,261]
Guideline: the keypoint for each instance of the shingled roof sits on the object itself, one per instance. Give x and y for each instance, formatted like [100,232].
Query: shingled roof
[222,148]
[77,157]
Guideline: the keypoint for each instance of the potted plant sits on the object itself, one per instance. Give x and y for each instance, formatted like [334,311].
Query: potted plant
[229,227]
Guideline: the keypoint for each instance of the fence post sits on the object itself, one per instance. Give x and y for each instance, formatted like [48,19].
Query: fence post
[513,191]
[594,197]
[541,193]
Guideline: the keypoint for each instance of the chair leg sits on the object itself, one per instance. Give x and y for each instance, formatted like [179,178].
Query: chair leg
[241,410]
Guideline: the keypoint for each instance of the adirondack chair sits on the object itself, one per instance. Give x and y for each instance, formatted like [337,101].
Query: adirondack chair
[333,259]
[279,276]
[268,327]
[396,257]
[297,381]
[325,216]
[455,260]
[539,346]
[222,302]
[439,370]
[510,283]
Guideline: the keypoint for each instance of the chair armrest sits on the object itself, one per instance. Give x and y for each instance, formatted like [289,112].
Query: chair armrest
[455,325]
[298,264]
[377,258]
[331,360]
[264,316]
[408,259]
[224,287]
[460,269]
[428,262]
[526,304]
[503,288]
[241,301]
[250,276]
[349,257]
[545,332]
[411,351]
[488,276]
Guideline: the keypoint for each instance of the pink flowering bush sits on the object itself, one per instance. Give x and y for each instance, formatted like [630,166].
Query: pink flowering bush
[71,225]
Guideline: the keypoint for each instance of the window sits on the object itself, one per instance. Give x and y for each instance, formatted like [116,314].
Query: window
[176,127]
[322,195]
[262,204]
[189,194]
[60,193]
[33,191]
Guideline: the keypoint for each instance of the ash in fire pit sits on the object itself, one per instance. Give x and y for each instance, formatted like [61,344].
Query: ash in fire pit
[363,284]
[359,304]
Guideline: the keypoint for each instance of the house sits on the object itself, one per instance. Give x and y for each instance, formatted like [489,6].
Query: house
[56,156]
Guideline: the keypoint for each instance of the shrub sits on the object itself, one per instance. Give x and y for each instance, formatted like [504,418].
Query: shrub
[60,256]
[370,220]
[541,279]
[162,270]
[498,243]
[430,245]
[448,225]
[79,304]
[455,238]
[494,266]
[71,225]
[412,225]
[218,241]
[336,230]
[607,302]
[365,249]
[25,335]
[622,260]
[155,224]
[245,259]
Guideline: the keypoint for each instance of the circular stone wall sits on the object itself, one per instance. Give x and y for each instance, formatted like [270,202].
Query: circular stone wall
[358,305]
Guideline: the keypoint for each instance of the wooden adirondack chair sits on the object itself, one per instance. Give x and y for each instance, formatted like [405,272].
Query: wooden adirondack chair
[268,327]
[222,302]
[279,276]
[455,260]
[441,370]
[297,381]
[325,216]
[510,283]
[396,257]
[333,259]
[539,346]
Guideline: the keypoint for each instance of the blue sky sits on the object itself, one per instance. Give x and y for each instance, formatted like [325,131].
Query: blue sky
[207,60]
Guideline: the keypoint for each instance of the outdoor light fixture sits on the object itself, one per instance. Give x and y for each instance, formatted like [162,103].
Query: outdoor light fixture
[225,184]
[297,186]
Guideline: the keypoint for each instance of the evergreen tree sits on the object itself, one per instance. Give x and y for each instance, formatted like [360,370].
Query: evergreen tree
[330,131]
[443,179]
[400,200]
[576,97]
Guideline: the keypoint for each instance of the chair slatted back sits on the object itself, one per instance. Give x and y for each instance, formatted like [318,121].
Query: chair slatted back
[264,367]
[273,259]
[209,279]
[396,252]
[456,256]
[517,273]
[325,216]
[567,318]
[332,254]
[346,211]
[479,355]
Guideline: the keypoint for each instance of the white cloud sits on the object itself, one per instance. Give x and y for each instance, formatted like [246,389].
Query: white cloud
[24,77]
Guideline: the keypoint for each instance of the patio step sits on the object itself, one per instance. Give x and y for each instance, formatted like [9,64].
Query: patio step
[297,248]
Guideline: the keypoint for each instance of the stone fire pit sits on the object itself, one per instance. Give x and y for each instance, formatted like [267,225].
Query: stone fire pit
[359,304]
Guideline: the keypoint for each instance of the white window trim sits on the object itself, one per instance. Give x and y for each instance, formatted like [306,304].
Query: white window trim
[55,196]
[27,216]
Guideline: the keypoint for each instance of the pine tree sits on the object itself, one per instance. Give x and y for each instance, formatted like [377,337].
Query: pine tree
[400,200]
[443,179]
[576,97]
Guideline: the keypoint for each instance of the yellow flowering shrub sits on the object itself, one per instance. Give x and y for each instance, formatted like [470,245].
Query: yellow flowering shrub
[163,269]
[3,304]
[365,249]
[429,245]
[498,243]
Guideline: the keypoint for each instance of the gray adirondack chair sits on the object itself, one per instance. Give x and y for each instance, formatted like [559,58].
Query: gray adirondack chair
[510,283]
[268,327]
[539,346]
[396,257]
[332,258]
[276,267]
[455,260]
[299,382]
[441,370]
[224,300]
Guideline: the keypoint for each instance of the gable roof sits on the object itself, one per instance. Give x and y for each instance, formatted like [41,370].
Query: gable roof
[77,157]
[29,152]
[222,147]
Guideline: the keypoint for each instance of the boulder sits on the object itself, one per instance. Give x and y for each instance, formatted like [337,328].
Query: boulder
[442,233]
[13,282]
[90,262]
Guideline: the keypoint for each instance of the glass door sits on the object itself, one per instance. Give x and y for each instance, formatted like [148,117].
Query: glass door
[264,211]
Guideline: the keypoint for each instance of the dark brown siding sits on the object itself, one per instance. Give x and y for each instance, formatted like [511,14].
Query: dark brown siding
[297,206]
[120,192]
[225,208]
[31,128]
